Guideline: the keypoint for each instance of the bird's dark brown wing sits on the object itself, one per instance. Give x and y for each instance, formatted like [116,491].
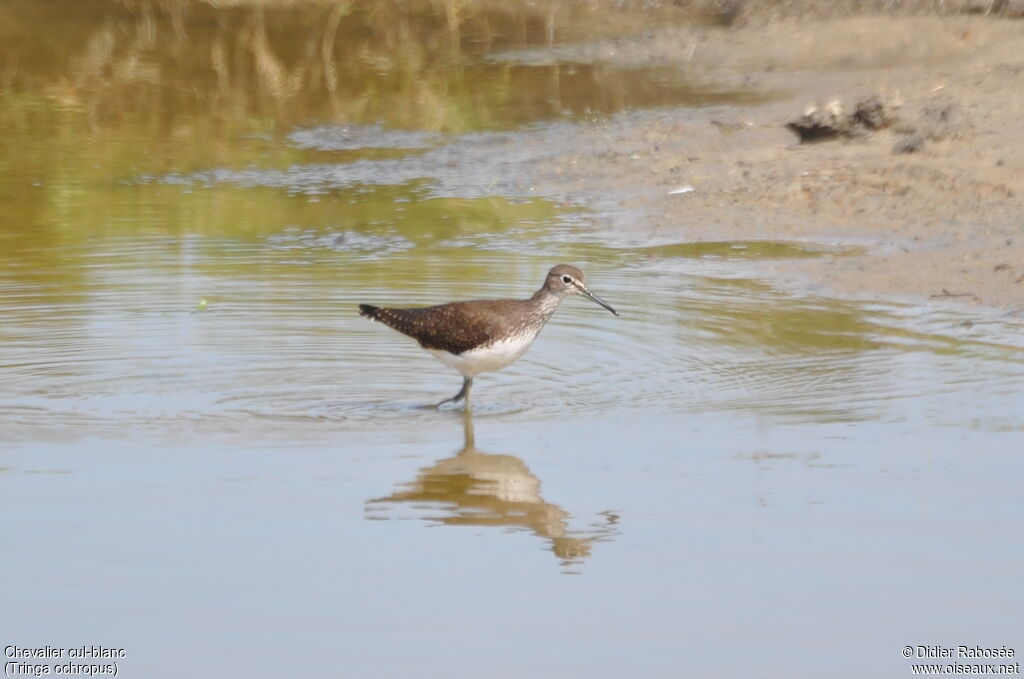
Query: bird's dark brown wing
[455,327]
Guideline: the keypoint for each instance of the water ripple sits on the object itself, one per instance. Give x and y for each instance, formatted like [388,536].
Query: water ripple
[234,339]
[353,137]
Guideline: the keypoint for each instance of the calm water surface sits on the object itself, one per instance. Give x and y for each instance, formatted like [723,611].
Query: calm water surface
[208,459]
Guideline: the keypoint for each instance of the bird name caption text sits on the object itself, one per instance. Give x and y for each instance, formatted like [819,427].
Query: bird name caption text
[65,661]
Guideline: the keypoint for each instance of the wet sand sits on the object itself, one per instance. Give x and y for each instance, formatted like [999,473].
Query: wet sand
[939,223]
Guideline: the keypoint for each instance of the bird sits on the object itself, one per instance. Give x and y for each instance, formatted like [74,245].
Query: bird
[484,335]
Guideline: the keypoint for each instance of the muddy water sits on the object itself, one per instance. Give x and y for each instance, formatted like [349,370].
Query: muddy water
[210,461]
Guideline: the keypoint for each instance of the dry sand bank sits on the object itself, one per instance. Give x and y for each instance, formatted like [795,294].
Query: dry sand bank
[946,220]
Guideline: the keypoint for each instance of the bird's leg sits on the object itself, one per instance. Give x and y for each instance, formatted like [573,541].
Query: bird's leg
[467,383]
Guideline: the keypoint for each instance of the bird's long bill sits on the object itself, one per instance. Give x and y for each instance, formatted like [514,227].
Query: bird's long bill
[594,298]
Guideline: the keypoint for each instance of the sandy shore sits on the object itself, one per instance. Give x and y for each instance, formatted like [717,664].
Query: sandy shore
[945,221]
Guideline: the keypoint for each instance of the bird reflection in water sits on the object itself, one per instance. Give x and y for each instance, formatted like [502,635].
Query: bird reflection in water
[474,488]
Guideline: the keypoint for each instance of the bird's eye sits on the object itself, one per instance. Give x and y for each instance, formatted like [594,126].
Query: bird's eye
[566,279]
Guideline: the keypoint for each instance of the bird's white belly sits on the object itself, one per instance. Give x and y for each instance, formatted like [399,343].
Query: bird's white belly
[486,359]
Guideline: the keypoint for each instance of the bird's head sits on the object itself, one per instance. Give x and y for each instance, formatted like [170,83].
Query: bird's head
[564,280]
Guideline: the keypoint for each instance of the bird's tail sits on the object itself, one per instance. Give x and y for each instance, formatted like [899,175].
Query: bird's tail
[369,311]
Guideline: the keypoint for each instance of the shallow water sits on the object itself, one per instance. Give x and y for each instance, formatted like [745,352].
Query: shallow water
[210,461]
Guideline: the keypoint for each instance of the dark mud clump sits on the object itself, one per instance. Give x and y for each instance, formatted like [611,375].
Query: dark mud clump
[831,121]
